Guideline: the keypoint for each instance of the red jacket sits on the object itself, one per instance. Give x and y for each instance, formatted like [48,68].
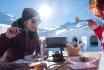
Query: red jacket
[99,33]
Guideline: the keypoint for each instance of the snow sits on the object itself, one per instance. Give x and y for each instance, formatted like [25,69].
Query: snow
[6,18]
[3,28]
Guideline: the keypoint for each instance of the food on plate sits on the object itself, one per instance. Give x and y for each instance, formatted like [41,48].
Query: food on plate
[41,66]
[84,58]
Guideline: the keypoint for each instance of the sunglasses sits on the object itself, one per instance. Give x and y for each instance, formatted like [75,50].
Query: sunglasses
[36,21]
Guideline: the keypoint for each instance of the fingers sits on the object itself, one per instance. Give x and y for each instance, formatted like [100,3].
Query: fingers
[91,22]
[13,31]
[16,31]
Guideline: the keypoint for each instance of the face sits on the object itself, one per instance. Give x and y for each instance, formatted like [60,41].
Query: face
[31,25]
[98,13]
[95,10]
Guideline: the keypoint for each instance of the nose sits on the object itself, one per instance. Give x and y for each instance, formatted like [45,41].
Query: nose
[35,25]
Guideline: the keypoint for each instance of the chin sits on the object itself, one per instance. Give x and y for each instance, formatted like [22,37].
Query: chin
[103,18]
[32,30]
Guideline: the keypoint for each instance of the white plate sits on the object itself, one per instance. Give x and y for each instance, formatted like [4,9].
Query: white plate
[77,64]
[30,58]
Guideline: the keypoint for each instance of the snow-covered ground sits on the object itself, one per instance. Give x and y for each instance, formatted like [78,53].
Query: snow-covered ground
[3,27]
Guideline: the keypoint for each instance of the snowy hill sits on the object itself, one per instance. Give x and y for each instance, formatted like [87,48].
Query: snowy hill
[6,18]
[3,27]
[5,21]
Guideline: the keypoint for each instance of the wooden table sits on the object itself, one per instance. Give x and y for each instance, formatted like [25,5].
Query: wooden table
[63,65]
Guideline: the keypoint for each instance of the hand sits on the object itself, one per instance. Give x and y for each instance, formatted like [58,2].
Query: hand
[12,32]
[92,24]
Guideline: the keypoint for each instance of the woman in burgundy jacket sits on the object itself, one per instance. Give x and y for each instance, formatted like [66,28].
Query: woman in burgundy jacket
[21,38]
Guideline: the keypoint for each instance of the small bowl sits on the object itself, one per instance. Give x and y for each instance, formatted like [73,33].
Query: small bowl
[84,58]
[72,51]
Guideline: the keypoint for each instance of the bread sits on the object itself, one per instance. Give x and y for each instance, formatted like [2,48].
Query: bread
[84,58]
[40,66]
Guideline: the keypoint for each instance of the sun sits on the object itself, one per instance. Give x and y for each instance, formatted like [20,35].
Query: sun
[45,11]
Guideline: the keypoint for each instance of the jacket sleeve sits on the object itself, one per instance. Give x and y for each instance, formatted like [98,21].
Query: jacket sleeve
[4,43]
[98,31]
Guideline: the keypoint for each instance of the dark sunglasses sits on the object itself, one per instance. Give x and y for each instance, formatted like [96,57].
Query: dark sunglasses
[36,21]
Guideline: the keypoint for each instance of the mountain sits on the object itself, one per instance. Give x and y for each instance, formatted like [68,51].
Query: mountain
[6,18]
[3,27]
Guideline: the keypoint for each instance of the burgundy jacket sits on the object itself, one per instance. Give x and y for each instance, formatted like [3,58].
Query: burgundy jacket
[16,47]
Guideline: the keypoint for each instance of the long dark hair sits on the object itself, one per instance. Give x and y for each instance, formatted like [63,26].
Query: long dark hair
[32,35]
[20,24]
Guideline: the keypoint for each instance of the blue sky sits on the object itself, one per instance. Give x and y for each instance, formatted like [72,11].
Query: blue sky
[63,10]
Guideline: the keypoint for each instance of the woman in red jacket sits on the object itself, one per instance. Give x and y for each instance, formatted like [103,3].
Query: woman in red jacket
[21,38]
[97,8]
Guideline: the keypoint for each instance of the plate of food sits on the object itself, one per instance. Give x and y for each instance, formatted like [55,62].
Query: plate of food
[32,58]
[82,62]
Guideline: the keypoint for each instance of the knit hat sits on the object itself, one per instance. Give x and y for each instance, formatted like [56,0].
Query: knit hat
[29,13]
